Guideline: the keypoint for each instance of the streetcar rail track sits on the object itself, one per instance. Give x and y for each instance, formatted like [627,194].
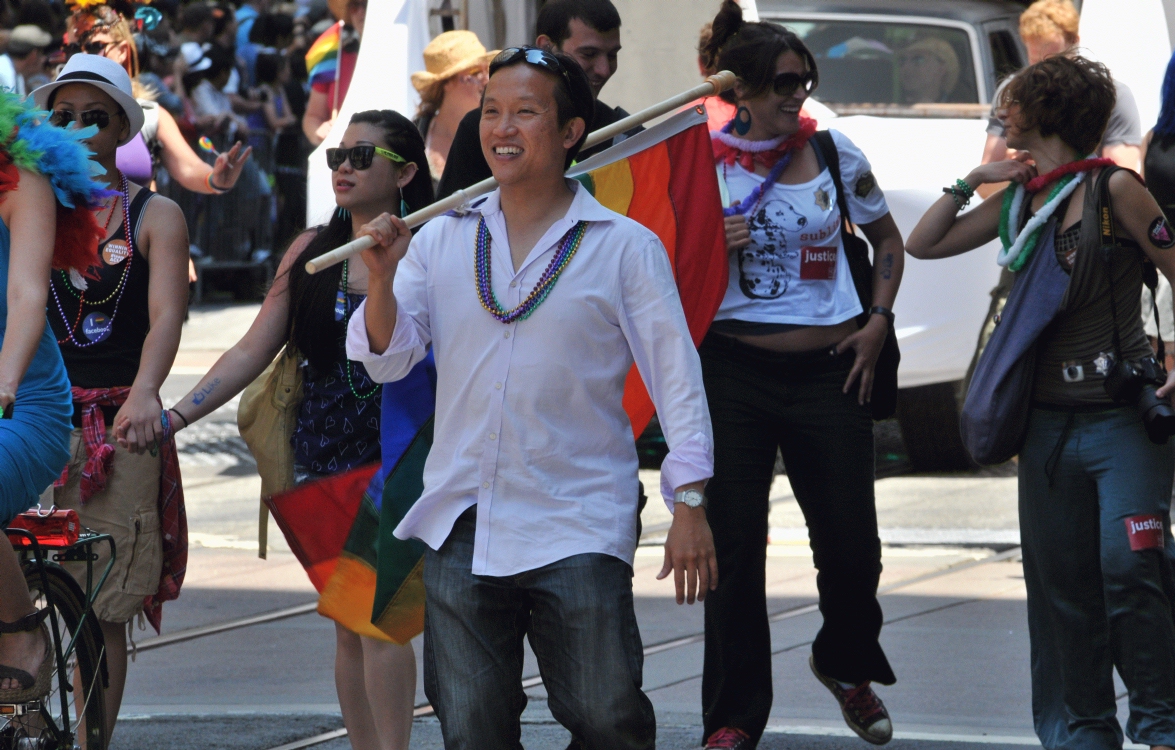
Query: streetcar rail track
[533,681]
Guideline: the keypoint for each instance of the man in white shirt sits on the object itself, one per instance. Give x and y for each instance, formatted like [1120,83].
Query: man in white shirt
[529,507]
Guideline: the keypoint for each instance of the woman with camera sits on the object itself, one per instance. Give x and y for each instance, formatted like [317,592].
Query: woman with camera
[1095,469]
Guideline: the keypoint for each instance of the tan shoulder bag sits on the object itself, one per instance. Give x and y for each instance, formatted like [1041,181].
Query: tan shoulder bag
[266,418]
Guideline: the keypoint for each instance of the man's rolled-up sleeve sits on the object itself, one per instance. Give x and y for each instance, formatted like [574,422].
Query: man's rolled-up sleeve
[654,324]
[410,337]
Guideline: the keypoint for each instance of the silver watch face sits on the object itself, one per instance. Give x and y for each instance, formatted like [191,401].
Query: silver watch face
[692,498]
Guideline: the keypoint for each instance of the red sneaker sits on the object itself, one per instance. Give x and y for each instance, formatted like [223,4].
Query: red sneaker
[863,710]
[729,738]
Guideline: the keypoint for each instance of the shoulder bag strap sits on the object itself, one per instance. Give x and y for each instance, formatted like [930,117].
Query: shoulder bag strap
[827,148]
[1109,237]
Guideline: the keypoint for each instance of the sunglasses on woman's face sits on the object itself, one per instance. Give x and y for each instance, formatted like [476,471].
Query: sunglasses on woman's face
[63,117]
[360,157]
[785,84]
[90,48]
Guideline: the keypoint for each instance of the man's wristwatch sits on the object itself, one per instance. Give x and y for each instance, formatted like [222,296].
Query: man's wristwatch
[883,311]
[691,498]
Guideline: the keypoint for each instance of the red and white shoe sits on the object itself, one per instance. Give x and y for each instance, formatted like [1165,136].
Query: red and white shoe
[863,710]
[729,738]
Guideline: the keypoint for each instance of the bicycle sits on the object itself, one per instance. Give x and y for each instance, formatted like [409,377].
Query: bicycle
[73,714]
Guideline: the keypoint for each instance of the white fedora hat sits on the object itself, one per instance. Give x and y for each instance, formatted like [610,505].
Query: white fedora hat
[103,73]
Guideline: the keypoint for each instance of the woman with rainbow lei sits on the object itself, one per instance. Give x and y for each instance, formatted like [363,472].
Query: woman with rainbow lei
[47,192]
[104,28]
[1095,492]
[118,331]
[790,365]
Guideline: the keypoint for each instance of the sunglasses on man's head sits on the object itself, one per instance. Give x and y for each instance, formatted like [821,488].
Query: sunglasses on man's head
[785,84]
[360,157]
[63,117]
[533,56]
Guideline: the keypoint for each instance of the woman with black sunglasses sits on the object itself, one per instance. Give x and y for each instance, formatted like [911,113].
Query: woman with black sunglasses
[118,335]
[789,366]
[379,167]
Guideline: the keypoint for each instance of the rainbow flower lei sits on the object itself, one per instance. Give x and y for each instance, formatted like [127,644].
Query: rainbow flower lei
[32,144]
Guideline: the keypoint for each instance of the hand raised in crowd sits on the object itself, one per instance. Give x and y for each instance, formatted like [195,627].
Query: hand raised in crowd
[137,425]
[392,237]
[866,344]
[227,169]
[689,555]
[738,234]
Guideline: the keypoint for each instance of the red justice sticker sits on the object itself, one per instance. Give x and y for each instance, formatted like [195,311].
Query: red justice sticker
[1145,532]
[818,263]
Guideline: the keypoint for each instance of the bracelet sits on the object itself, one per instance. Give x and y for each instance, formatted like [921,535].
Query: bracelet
[181,416]
[885,312]
[212,187]
[961,193]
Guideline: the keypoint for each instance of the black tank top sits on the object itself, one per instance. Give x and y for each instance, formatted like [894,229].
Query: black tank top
[109,328]
[1160,172]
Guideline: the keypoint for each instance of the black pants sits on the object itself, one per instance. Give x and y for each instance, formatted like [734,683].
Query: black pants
[760,401]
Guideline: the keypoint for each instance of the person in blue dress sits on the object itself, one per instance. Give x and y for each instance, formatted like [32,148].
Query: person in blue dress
[39,167]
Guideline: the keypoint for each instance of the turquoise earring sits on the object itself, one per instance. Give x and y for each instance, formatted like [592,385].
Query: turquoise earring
[742,121]
[403,208]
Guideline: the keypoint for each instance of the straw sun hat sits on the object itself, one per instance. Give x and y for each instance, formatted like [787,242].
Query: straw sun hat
[103,74]
[450,54]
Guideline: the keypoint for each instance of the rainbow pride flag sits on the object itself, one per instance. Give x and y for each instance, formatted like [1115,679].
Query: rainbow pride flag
[341,528]
[322,59]
[664,178]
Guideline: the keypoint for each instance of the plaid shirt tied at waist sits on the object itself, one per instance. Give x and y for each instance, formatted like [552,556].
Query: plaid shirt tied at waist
[173,519]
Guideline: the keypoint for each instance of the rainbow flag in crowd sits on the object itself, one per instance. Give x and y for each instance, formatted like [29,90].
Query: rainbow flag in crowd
[322,59]
[664,178]
[341,528]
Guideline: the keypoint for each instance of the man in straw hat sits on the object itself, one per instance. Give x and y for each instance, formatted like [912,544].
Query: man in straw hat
[328,92]
[450,87]
[25,57]
[529,509]
[588,31]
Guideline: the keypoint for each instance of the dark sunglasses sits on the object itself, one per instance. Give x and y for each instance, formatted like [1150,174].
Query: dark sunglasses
[63,117]
[360,157]
[90,48]
[534,56]
[785,84]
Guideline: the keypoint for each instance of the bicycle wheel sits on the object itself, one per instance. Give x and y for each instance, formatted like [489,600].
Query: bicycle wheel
[83,717]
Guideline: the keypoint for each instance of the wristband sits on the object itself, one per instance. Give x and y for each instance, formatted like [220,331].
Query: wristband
[885,312]
[181,416]
[213,188]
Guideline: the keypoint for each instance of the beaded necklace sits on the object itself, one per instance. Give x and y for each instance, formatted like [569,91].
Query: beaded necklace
[778,151]
[485,293]
[1015,252]
[343,311]
[70,336]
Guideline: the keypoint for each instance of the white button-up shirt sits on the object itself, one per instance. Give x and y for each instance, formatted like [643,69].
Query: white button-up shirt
[530,424]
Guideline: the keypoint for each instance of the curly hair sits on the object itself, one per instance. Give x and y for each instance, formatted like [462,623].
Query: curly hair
[749,50]
[1049,19]
[1071,97]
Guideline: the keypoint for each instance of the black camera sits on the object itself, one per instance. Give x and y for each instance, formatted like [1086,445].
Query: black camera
[1135,382]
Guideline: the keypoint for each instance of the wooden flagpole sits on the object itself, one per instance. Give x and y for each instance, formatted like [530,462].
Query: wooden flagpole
[715,84]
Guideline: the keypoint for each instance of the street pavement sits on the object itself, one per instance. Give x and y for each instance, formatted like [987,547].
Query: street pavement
[954,608]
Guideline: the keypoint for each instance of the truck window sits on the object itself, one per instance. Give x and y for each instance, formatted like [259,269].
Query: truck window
[884,63]
[1005,55]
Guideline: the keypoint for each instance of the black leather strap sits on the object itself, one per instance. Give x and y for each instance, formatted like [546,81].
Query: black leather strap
[25,624]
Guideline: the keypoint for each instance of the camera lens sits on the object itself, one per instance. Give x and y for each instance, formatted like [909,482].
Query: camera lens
[1158,416]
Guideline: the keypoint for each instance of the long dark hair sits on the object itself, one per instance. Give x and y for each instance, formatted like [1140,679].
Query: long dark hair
[749,50]
[312,328]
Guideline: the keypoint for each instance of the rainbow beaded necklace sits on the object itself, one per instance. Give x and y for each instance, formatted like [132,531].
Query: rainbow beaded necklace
[485,292]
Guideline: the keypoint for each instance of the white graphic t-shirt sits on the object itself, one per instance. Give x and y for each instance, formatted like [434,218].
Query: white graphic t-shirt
[794,272]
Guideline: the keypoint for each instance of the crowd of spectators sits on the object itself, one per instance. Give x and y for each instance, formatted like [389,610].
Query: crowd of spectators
[227,72]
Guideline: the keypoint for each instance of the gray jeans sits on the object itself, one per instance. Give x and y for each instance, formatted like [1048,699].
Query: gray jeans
[578,614]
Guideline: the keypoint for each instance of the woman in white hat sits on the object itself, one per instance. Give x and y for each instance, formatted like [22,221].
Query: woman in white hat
[118,335]
[456,70]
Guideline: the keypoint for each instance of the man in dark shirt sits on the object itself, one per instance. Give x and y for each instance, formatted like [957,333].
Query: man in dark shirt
[586,30]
